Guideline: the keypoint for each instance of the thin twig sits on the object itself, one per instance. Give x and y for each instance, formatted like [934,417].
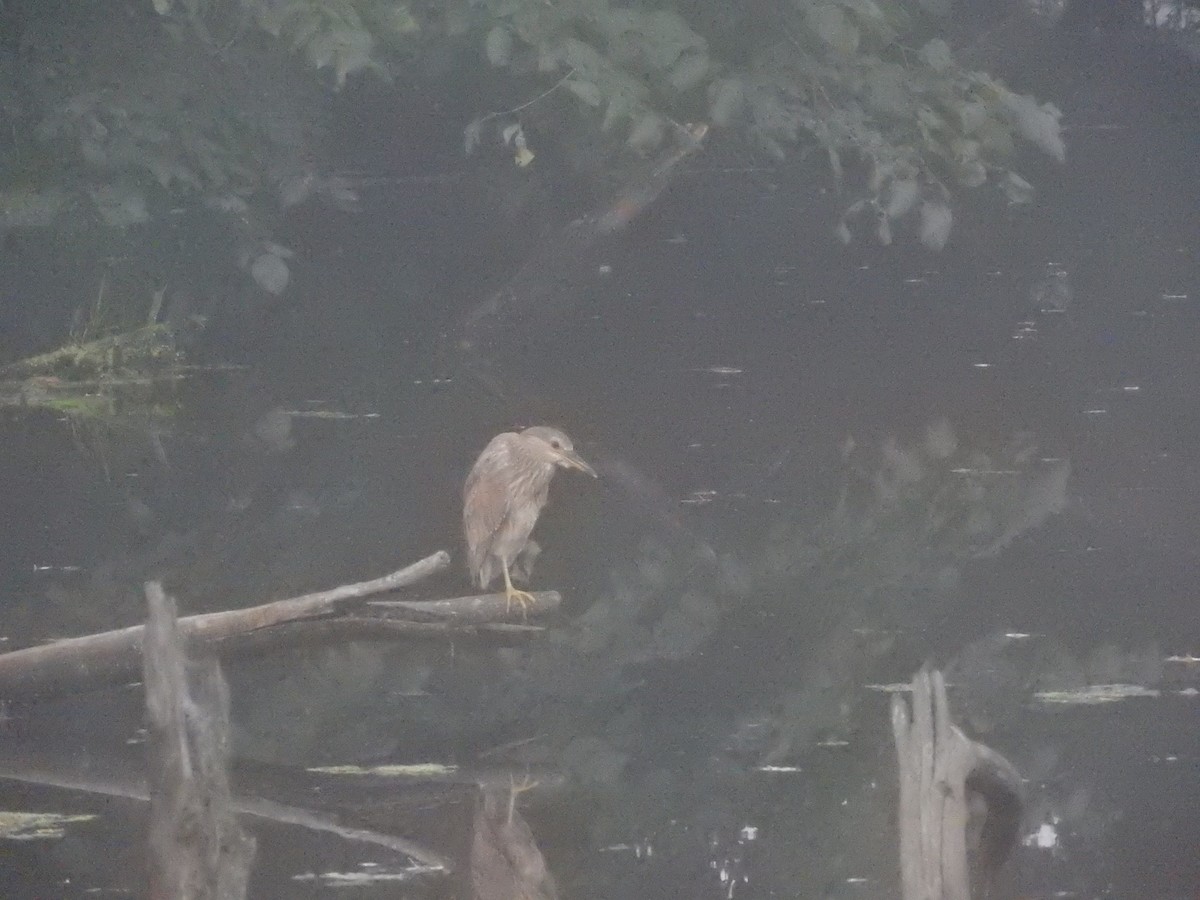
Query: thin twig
[528,103]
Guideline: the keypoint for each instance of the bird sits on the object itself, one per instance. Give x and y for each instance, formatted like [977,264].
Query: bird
[502,499]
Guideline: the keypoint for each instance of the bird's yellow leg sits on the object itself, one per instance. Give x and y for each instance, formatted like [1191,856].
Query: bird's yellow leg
[523,598]
[527,784]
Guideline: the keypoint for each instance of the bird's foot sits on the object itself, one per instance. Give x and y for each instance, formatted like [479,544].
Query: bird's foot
[514,789]
[524,599]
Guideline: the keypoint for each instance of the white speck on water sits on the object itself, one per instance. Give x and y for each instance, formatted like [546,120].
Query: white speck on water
[1045,838]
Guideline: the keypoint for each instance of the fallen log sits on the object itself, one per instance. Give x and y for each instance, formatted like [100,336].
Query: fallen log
[477,608]
[461,618]
[113,657]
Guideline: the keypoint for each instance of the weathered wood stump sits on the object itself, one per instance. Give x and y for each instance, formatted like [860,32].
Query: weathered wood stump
[940,768]
[198,849]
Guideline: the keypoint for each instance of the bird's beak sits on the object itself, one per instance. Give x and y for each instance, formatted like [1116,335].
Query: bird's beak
[569,459]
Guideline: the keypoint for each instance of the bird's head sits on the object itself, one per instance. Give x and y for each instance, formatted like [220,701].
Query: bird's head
[552,446]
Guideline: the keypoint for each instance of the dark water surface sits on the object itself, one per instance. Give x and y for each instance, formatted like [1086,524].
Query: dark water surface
[731,354]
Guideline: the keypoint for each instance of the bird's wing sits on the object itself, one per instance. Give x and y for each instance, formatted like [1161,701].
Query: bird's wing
[486,501]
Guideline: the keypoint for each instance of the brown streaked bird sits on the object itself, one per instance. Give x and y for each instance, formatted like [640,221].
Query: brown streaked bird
[503,497]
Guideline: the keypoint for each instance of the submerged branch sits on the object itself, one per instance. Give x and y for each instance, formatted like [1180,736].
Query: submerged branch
[127,785]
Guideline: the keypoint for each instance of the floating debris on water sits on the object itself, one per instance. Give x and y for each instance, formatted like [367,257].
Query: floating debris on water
[1025,331]
[29,826]
[415,770]
[785,275]
[1045,838]
[1054,293]
[346,879]
[338,414]
[894,687]
[641,850]
[1096,693]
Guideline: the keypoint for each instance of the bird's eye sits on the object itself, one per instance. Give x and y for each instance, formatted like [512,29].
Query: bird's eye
[556,445]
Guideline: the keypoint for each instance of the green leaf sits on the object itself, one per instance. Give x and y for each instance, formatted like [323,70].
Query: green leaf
[996,138]
[499,46]
[971,173]
[727,99]
[586,91]
[308,24]
[350,59]
[902,197]
[936,222]
[888,92]
[582,57]
[972,115]
[1038,124]
[647,133]
[1016,188]
[120,205]
[834,28]
[936,54]
[772,118]
[270,272]
[968,167]
[321,49]
[689,70]
[618,111]
[873,20]
[883,231]
[399,20]
[662,37]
